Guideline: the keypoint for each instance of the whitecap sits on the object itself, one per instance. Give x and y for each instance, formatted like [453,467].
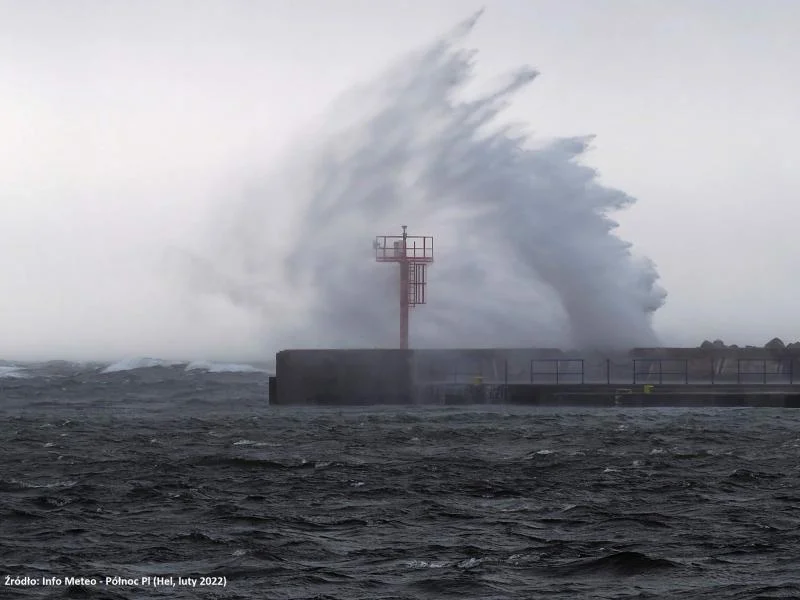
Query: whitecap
[141,362]
[214,367]
[426,564]
[13,373]
[470,563]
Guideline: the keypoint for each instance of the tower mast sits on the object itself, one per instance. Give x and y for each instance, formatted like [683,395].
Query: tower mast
[413,254]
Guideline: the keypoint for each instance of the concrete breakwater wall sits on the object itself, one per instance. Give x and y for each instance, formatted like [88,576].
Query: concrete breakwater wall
[342,377]
[378,376]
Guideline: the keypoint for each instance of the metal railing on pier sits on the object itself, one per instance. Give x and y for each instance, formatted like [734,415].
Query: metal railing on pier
[580,371]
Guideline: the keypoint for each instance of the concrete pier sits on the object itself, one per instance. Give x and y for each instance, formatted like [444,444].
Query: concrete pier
[539,376]
[343,377]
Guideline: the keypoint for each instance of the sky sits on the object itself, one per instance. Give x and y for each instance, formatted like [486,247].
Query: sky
[126,126]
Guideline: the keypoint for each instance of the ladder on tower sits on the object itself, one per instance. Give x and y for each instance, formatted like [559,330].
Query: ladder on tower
[416,283]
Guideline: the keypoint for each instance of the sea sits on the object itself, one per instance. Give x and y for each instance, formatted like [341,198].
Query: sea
[155,480]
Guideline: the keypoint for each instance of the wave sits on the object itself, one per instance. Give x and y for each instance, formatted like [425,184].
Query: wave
[144,362]
[130,364]
[526,247]
[625,563]
[13,372]
[214,367]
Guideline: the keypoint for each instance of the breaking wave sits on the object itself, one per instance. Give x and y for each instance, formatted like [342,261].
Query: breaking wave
[132,364]
[12,372]
[213,367]
[526,252]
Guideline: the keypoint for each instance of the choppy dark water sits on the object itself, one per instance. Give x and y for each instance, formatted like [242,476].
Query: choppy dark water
[150,474]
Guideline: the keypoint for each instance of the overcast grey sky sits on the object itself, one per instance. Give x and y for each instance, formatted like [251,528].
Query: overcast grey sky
[123,122]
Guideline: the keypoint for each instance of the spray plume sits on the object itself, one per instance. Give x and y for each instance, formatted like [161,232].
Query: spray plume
[525,249]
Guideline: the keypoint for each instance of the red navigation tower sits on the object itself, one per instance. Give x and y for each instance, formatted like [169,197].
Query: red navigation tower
[413,252]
